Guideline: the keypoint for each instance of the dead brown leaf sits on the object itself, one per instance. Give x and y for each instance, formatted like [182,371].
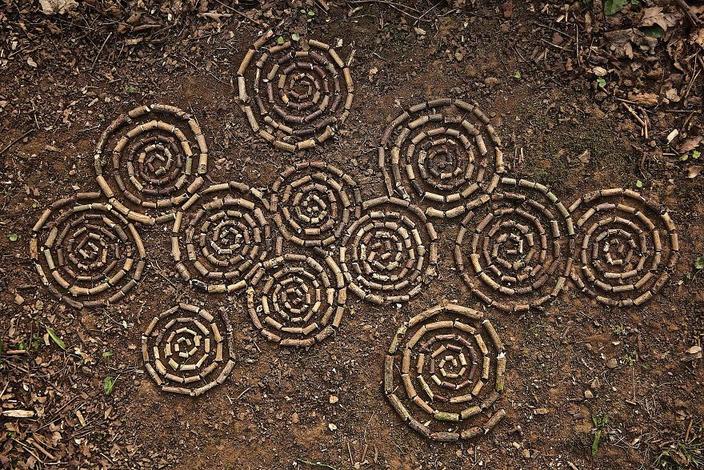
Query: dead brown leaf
[690,144]
[51,7]
[656,16]
[644,99]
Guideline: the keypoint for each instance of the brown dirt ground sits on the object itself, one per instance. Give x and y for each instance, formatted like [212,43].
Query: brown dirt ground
[275,407]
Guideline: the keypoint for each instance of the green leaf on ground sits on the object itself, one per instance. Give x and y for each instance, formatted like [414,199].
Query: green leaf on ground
[108,385]
[55,338]
[654,31]
[280,40]
[600,422]
[699,263]
[639,184]
[13,237]
[596,442]
[601,82]
[611,7]
[517,74]
[296,37]
[696,154]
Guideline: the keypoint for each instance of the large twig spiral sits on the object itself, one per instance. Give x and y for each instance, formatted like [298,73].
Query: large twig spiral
[444,371]
[150,161]
[85,252]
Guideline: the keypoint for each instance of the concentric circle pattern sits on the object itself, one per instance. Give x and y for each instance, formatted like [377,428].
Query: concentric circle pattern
[390,253]
[313,203]
[187,350]
[297,300]
[628,246]
[150,161]
[444,371]
[294,94]
[85,252]
[443,155]
[219,237]
[515,251]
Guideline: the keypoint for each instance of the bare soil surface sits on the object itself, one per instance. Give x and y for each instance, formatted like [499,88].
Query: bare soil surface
[588,386]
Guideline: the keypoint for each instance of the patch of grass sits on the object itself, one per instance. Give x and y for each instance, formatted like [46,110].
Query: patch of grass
[619,330]
[631,358]
[682,455]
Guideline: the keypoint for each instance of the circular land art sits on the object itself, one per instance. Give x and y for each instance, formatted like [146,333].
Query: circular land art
[313,203]
[627,246]
[515,251]
[443,155]
[150,161]
[85,252]
[297,300]
[185,352]
[444,371]
[219,236]
[293,93]
[390,253]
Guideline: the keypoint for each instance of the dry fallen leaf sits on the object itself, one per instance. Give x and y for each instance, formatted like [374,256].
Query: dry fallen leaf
[50,7]
[698,37]
[600,71]
[644,99]
[689,144]
[655,16]
[693,171]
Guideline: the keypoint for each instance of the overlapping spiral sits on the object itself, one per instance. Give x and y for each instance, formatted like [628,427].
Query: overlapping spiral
[297,300]
[313,203]
[294,94]
[150,161]
[390,253]
[443,155]
[85,252]
[515,251]
[444,371]
[627,245]
[187,350]
[219,236]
